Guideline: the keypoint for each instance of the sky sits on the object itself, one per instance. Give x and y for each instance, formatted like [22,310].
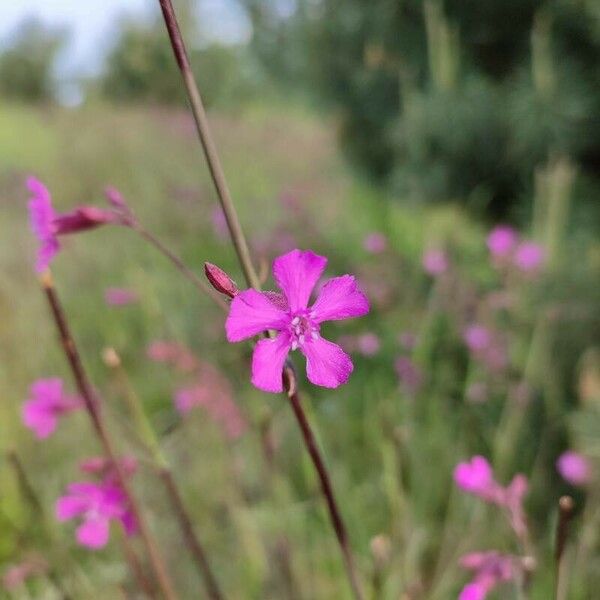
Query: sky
[89,22]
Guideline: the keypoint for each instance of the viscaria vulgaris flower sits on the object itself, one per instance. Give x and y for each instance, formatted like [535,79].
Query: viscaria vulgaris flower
[529,257]
[48,225]
[297,325]
[574,468]
[96,504]
[435,262]
[490,569]
[375,242]
[46,404]
[502,241]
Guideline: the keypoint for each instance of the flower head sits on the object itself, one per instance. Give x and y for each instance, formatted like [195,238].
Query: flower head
[475,477]
[48,225]
[297,325]
[490,570]
[97,504]
[529,257]
[368,344]
[375,242]
[477,338]
[574,468]
[502,241]
[435,262]
[120,296]
[47,402]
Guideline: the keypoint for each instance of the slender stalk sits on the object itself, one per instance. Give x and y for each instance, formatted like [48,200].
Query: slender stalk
[565,513]
[135,566]
[324,480]
[92,406]
[208,144]
[150,439]
[200,284]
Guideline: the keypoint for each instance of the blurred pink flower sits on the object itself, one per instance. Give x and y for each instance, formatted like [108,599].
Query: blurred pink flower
[435,262]
[529,257]
[212,391]
[103,468]
[574,468]
[490,570]
[502,241]
[16,575]
[477,338]
[253,312]
[48,225]
[97,504]
[409,374]
[219,223]
[375,242]
[368,344]
[46,404]
[120,296]
[172,353]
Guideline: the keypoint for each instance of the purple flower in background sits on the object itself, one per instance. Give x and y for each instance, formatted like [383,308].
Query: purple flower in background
[490,570]
[375,242]
[574,468]
[17,575]
[120,296]
[476,477]
[104,469]
[172,353]
[477,338]
[502,241]
[297,325]
[97,505]
[409,374]
[46,404]
[48,225]
[435,262]
[529,257]
[368,344]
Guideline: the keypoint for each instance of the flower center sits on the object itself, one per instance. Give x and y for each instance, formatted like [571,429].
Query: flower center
[302,329]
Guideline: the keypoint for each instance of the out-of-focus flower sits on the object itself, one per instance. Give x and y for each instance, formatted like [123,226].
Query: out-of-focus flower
[529,257]
[502,241]
[219,223]
[103,468]
[477,337]
[368,344]
[409,374]
[574,468]
[120,296]
[435,262]
[97,504]
[46,404]
[375,242]
[213,392]
[253,312]
[173,353]
[48,225]
[490,570]
[16,575]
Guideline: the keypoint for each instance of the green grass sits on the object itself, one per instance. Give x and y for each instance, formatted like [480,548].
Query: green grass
[391,453]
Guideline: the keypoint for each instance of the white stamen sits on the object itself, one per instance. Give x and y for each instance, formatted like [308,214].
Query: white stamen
[301,339]
[294,345]
[295,321]
[315,335]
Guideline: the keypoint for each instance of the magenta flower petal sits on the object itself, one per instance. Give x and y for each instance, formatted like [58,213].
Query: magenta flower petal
[93,532]
[339,298]
[474,476]
[472,591]
[267,362]
[68,507]
[39,419]
[574,468]
[41,217]
[327,364]
[252,313]
[297,273]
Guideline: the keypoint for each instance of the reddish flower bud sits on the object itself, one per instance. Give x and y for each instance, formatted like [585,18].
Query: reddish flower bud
[220,280]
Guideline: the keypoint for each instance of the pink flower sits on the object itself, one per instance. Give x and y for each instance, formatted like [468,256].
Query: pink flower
[47,225]
[172,353]
[574,468]
[103,468]
[120,296]
[253,312]
[368,344]
[409,374]
[16,575]
[476,477]
[502,241]
[435,262]
[96,505]
[490,570]
[529,257]
[477,338]
[46,404]
[375,242]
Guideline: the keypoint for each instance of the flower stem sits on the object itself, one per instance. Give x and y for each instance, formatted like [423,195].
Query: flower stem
[93,409]
[200,284]
[324,480]
[208,144]
[151,442]
[252,279]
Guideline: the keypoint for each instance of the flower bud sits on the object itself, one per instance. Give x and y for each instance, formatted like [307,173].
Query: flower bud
[220,280]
